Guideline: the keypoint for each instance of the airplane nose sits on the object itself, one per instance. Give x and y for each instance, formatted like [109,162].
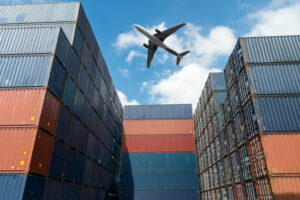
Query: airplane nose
[137,27]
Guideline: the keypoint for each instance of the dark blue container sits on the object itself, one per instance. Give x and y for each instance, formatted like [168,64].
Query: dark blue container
[74,137]
[70,164]
[218,81]
[57,79]
[78,42]
[73,65]
[66,191]
[159,161]
[58,160]
[90,90]
[158,180]
[20,186]
[86,56]
[78,103]
[76,192]
[63,126]
[83,139]
[52,190]
[159,195]
[171,111]
[69,93]
[79,171]
[83,79]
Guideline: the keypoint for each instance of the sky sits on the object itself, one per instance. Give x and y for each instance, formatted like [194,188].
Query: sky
[212,30]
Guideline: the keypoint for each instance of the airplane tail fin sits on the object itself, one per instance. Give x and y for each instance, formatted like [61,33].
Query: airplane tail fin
[179,56]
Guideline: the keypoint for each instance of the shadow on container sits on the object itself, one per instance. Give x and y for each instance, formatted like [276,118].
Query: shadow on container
[126,178]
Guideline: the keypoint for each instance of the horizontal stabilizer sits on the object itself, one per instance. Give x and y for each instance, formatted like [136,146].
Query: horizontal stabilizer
[179,56]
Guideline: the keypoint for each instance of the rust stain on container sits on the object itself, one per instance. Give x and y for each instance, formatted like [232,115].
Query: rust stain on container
[282,153]
[25,150]
[158,127]
[29,107]
[158,143]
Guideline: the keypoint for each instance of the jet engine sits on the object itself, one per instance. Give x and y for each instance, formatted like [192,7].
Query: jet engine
[146,46]
[158,31]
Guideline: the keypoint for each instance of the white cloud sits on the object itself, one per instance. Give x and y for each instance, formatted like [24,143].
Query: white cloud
[278,18]
[133,54]
[124,100]
[124,72]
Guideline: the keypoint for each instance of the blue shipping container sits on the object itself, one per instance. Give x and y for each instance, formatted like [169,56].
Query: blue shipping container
[167,111]
[20,186]
[278,114]
[159,180]
[159,161]
[218,81]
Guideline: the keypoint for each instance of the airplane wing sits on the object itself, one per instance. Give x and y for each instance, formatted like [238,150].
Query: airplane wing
[162,35]
[151,51]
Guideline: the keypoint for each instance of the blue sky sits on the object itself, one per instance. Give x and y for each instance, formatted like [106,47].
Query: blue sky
[211,33]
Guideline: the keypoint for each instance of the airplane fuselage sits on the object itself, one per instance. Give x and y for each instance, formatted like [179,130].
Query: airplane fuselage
[155,40]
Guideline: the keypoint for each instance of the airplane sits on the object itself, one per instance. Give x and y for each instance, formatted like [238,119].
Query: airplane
[156,40]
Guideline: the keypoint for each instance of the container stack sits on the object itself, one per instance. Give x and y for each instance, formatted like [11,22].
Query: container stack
[260,146]
[207,132]
[158,153]
[61,118]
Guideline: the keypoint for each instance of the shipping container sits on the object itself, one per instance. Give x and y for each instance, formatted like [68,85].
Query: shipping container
[166,111]
[25,150]
[159,161]
[159,195]
[20,186]
[159,127]
[36,107]
[34,40]
[157,180]
[151,144]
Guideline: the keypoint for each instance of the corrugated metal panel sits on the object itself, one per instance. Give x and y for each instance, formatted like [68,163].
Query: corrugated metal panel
[286,188]
[50,12]
[167,111]
[69,168]
[159,195]
[158,127]
[58,160]
[159,181]
[159,161]
[28,104]
[73,65]
[69,93]
[30,107]
[63,125]
[275,79]
[278,113]
[218,81]
[35,187]
[52,190]
[66,191]
[12,186]
[151,144]
[27,40]
[281,151]
[220,98]
[271,49]
[25,71]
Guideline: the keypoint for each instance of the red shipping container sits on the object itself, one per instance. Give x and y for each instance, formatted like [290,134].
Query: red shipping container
[158,127]
[29,107]
[25,150]
[282,153]
[157,143]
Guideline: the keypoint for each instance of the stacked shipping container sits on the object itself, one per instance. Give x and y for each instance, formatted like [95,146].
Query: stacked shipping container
[61,118]
[158,153]
[261,119]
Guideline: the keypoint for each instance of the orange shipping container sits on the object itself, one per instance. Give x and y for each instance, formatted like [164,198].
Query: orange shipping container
[25,150]
[279,188]
[282,153]
[157,143]
[29,107]
[158,127]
